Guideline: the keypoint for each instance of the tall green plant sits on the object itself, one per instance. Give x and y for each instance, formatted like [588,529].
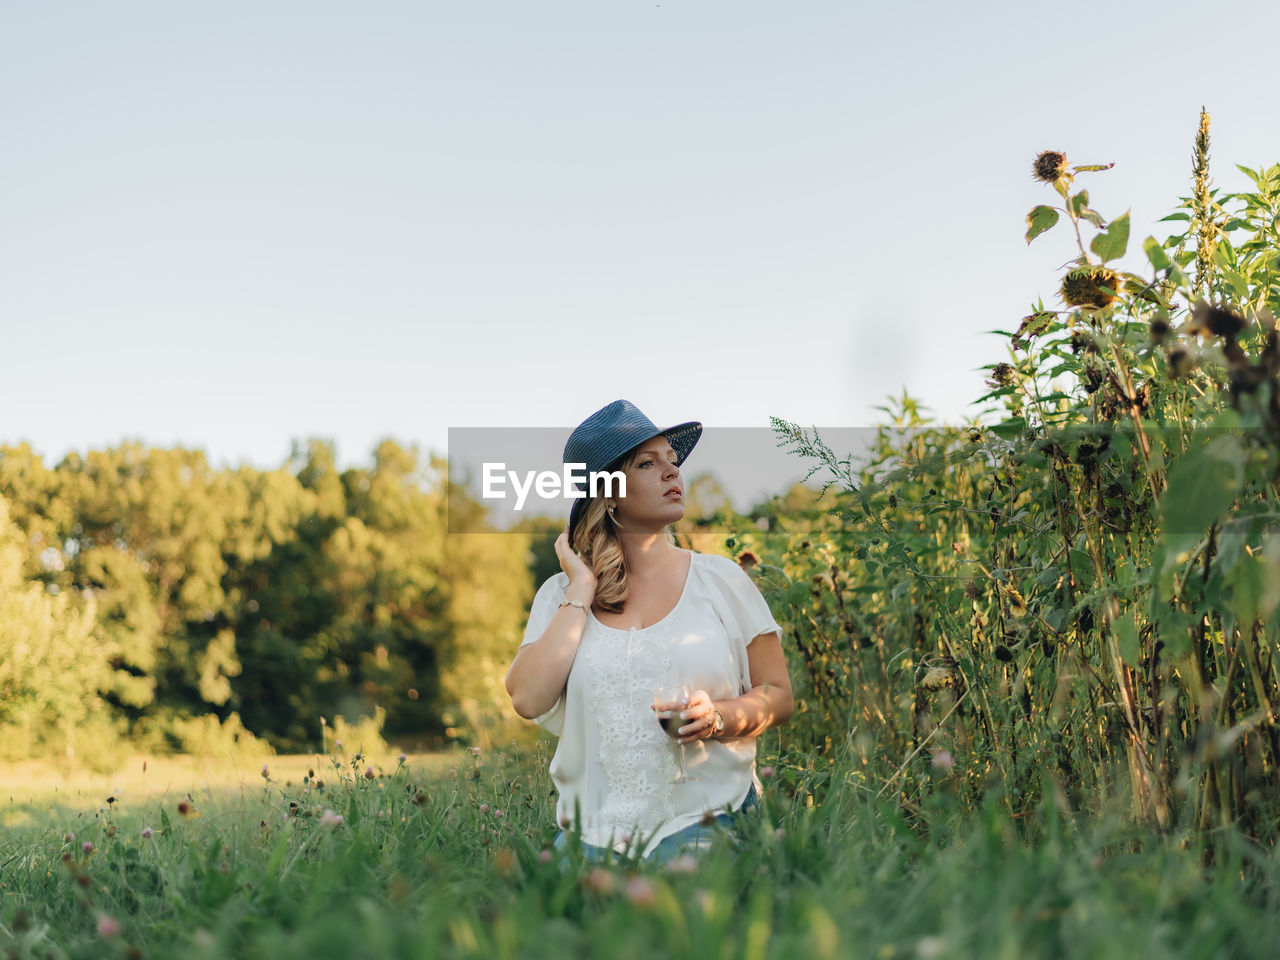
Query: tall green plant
[1088,586]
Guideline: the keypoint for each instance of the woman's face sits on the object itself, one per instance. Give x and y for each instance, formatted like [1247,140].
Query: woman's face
[655,492]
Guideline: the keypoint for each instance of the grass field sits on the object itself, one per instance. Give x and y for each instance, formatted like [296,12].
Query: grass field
[448,855]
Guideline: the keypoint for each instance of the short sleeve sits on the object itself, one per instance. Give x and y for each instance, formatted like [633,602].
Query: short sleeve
[741,607]
[545,604]
[541,612]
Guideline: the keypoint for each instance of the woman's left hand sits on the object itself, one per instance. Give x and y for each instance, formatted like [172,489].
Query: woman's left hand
[699,718]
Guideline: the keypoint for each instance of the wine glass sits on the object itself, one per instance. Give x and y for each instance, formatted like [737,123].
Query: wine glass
[670,720]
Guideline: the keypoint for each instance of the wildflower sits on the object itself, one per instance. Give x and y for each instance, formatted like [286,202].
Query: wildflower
[943,760]
[766,773]
[337,745]
[368,773]
[87,846]
[68,838]
[484,808]
[640,891]
[1050,165]
[266,774]
[403,758]
[475,751]
[747,560]
[685,863]
[544,856]
[184,808]
[108,926]
[111,830]
[1090,287]
[330,819]
[499,814]
[146,833]
[600,881]
[84,879]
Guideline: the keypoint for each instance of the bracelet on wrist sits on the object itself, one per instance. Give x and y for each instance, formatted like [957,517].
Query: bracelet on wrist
[574,603]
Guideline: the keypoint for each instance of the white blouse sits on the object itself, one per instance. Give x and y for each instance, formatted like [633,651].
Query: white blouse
[614,763]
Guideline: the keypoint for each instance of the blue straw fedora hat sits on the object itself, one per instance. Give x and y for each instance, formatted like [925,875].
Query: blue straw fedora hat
[606,436]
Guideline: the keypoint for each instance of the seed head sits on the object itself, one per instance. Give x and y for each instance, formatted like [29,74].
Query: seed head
[184,808]
[1159,329]
[1001,375]
[747,560]
[1090,287]
[943,760]
[1218,321]
[1050,165]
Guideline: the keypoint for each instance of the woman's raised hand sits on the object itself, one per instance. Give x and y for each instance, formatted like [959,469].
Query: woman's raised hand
[572,564]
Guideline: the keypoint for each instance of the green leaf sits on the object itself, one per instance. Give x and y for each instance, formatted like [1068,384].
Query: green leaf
[1010,429]
[1155,253]
[1255,589]
[1039,220]
[1202,486]
[1080,202]
[1175,216]
[1126,632]
[1112,242]
[1094,217]
[1090,167]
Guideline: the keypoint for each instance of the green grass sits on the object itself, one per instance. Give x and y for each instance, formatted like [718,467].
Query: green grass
[423,865]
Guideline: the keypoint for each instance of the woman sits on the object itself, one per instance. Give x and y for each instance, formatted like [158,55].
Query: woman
[629,616]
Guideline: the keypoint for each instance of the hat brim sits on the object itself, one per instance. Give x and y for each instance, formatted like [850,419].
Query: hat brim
[683,437]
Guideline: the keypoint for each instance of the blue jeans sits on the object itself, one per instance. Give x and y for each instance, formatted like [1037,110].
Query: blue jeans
[695,837]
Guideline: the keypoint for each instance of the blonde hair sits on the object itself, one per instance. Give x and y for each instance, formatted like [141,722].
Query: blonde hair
[595,537]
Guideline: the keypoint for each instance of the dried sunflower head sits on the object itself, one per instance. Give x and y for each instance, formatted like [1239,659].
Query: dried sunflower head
[1001,375]
[1050,165]
[1219,321]
[1091,287]
[1158,328]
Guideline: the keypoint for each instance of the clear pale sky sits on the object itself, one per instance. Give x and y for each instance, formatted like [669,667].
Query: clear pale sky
[231,225]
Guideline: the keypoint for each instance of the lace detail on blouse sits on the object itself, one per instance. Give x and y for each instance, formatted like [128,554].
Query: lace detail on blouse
[638,758]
